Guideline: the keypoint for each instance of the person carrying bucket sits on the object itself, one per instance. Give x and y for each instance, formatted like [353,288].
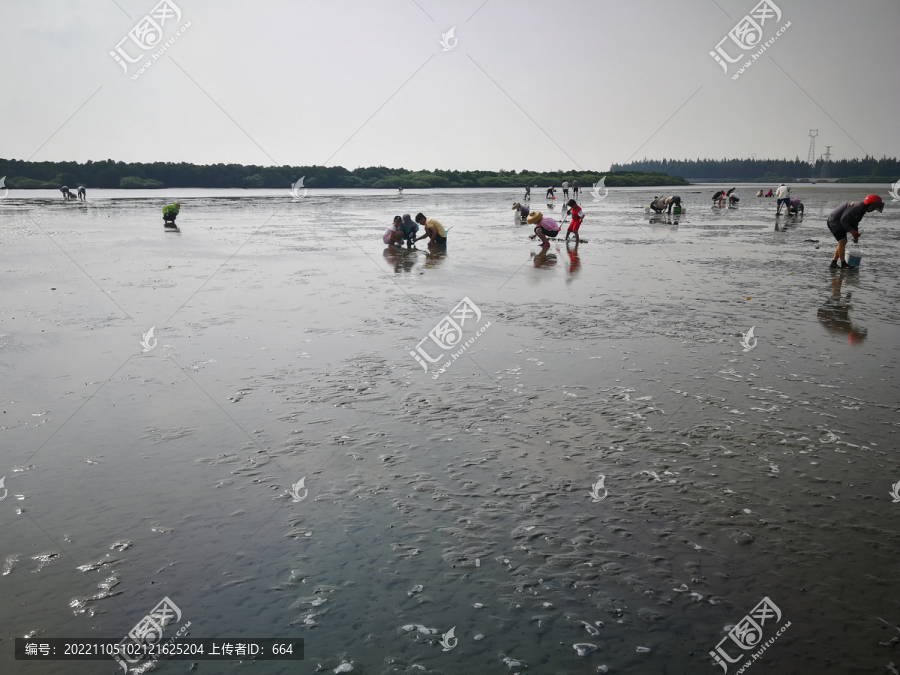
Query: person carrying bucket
[846,218]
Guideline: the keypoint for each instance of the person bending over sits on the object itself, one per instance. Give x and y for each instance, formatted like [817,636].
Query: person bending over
[393,236]
[434,231]
[577,219]
[408,228]
[170,212]
[543,227]
[661,204]
[844,219]
[522,209]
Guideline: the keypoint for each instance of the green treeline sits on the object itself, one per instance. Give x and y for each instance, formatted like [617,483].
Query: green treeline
[867,169]
[111,174]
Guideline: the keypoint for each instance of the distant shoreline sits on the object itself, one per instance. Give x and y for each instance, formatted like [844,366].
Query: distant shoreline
[108,174]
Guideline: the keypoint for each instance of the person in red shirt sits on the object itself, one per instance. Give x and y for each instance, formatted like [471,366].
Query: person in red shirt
[577,218]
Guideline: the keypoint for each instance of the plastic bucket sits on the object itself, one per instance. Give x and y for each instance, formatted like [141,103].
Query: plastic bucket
[677,209]
[647,210]
[854,258]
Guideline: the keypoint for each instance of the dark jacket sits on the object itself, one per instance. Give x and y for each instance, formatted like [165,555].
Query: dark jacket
[847,216]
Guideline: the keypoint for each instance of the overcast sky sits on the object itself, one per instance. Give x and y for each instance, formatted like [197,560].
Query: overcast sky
[528,84]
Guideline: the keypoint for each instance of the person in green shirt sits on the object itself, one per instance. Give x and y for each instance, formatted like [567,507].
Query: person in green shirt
[433,230]
[170,211]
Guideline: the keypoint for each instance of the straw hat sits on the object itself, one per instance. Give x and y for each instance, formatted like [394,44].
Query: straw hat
[516,205]
[534,217]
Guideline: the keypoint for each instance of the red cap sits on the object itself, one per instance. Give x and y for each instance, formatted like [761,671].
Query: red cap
[872,199]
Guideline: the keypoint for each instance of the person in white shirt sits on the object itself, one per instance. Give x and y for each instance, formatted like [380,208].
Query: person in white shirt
[393,236]
[783,195]
[565,187]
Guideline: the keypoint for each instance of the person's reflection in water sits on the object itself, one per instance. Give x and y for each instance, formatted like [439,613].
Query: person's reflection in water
[787,225]
[574,262]
[835,313]
[663,219]
[403,260]
[435,256]
[544,258]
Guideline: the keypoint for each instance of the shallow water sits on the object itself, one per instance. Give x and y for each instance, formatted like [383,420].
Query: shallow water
[284,333]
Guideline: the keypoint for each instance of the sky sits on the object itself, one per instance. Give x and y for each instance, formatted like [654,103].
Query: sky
[521,84]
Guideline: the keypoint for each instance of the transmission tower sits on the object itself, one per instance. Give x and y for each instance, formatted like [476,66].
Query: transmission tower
[826,158]
[812,146]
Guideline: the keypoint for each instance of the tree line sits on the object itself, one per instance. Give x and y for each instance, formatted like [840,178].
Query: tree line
[111,174]
[868,169]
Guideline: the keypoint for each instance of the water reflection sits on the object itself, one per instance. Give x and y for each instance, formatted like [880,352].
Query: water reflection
[403,260]
[544,259]
[835,313]
[434,256]
[787,225]
[663,219]
[574,261]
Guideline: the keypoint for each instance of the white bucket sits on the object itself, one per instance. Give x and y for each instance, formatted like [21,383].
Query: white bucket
[854,258]
[647,210]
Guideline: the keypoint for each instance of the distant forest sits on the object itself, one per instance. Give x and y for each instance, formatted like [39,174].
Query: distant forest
[866,170]
[111,174]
